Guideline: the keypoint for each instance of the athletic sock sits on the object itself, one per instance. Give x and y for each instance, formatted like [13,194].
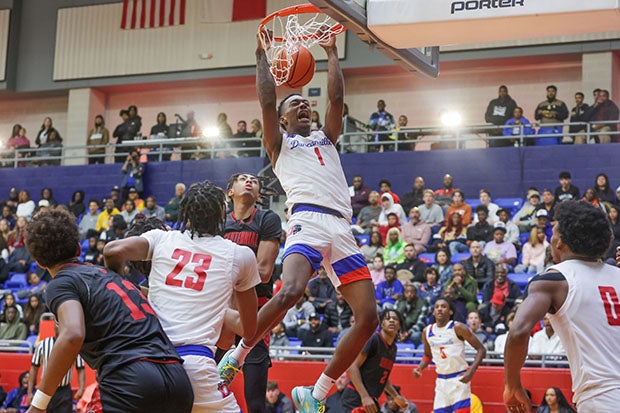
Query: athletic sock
[322,387]
[240,352]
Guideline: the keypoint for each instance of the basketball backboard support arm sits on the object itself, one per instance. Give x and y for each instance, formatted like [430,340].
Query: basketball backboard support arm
[353,16]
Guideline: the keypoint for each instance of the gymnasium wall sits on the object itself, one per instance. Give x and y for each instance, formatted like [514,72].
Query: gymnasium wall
[30,112]
[5,16]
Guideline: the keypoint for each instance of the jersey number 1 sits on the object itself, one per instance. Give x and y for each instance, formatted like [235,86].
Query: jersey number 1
[202,261]
[136,312]
[318,155]
[611,303]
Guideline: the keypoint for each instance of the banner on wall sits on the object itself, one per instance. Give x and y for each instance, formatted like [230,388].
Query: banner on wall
[218,11]
[148,14]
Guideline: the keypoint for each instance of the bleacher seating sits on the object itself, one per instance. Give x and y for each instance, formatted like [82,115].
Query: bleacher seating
[16,282]
[458,257]
[511,204]
[524,237]
[473,203]
[362,239]
[520,279]
[428,258]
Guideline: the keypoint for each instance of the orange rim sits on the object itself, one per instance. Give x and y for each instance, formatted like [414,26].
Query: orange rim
[298,9]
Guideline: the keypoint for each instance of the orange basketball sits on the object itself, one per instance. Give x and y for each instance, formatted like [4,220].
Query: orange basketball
[302,68]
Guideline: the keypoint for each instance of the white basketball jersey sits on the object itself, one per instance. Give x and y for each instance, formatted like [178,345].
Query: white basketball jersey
[588,324]
[192,281]
[448,350]
[310,172]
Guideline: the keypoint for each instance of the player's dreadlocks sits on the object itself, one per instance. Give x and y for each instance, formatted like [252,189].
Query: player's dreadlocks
[265,191]
[139,227]
[202,209]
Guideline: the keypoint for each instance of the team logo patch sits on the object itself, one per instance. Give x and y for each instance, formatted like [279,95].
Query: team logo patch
[294,230]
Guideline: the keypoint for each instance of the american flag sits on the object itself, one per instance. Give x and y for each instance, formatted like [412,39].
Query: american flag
[146,14]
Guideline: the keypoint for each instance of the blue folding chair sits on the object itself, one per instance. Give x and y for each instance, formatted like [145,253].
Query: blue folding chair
[511,204]
[362,239]
[459,257]
[428,258]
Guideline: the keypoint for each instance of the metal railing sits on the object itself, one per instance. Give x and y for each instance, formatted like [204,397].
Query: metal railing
[357,138]
[16,346]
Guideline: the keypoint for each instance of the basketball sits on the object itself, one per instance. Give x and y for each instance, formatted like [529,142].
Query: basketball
[301,70]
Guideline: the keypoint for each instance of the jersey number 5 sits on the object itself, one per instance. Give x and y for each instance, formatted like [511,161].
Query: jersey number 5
[611,303]
[202,261]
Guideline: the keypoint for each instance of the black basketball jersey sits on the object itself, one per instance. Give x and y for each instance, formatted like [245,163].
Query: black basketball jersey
[262,225]
[120,324]
[379,362]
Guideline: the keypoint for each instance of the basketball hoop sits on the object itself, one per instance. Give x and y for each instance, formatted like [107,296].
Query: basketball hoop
[292,28]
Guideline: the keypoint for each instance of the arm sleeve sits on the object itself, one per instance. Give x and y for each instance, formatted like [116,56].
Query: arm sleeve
[245,269]
[154,238]
[271,227]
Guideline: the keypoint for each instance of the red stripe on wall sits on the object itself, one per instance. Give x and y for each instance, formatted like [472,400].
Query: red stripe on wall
[171,15]
[182,11]
[134,12]
[143,15]
[124,19]
[249,9]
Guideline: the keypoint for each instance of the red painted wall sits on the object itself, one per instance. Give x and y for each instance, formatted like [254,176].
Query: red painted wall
[488,383]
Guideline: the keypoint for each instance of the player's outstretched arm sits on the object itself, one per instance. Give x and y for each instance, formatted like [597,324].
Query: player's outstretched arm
[426,360]
[465,333]
[266,258]
[266,91]
[335,92]
[116,253]
[71,333]
[246,305]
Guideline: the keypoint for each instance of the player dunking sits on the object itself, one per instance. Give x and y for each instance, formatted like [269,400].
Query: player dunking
[194,273]
[308,167]
[260,230]
[444,343]
[581,294]
[108,322]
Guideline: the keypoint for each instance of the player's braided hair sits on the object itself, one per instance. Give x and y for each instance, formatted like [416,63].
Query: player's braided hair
[202,209]
[139,227]
[265,191]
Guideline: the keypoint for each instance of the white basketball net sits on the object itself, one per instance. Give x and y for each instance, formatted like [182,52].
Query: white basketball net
[289,33]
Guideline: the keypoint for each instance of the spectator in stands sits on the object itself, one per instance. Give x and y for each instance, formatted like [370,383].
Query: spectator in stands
[485,199]
[603,189]
[416,231]
[151,209]
[104,217]
[9,301]
[115,195]
[465,287]
[555,401]
[414,310]
[242,133]
[19,259]
[278,338]
[11,144]
[88,224]
[373,248]
[525,219]
[48,195]
[612,212]
[566,191]
[394,250]
[460,311]
[43,205]
[133,174]
[256,128]
[12,200]
[458,205]
[415,197]
[51,148]
[546,341]
[321,291]
[337,315]
[385,186]
[117,229]
[121,132]
[443,196]
[26,206]
[359,195]
[577,115]
[603,110]
[129,212]
[134,122]
[475,326]
[411,269]
[20,142]
[5,231]
[13,328]
[550,111]
[382,121]
[542,222]
[481,231]
[35,286]
[392,406]
[498,112]
[16,399]
[76,205]
[590,197]
[172,208]
[548,203]
[7,215]
[296,317]
[275,401]
[533,258]
[499,250]
[503,285]
[500,340]
[512,231]
[99,135]
[16,237]
[431,289]
[377,273]
[316,335]
[494,315]
[430,212]
[315,121]
[92,253]
[390,290]
[392,222]
[443,265]
[368,216]
[389,206]
[32,313]
[519,125]
[333,403]
[160,129]
[45,132]
[223,126]
[453,232]
[135,197]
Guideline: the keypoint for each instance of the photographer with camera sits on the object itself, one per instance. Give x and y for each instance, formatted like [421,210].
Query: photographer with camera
[133,173]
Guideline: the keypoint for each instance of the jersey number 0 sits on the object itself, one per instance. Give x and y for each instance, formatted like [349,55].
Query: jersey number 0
[611,303]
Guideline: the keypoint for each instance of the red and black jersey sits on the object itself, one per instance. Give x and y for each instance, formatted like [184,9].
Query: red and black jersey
[120,324]
[375,371]
[261,225]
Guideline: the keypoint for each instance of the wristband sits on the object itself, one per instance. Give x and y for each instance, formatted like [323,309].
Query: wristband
[427,359]
[40,400]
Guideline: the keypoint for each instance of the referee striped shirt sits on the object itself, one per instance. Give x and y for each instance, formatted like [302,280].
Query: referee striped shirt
[42,355]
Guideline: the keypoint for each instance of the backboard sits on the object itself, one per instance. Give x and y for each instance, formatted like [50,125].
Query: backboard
[353,15]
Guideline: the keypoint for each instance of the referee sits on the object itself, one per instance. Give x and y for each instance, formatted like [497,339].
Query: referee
[62,400]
